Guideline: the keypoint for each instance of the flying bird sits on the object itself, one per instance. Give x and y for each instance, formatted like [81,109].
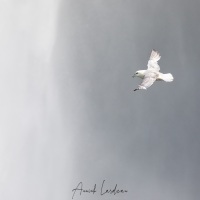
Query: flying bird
[152,73]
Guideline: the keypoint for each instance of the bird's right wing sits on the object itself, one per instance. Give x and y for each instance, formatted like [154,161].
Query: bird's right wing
[153,61]
[148,80]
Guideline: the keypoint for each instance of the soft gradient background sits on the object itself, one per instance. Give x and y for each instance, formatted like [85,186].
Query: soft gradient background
[68,110]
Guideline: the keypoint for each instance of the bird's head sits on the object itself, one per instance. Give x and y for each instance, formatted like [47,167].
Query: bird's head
[139,73]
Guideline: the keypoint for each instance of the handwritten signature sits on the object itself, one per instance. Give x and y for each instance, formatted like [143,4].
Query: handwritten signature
[80,189]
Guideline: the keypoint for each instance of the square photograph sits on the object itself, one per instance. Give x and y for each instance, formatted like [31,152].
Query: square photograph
[99,100]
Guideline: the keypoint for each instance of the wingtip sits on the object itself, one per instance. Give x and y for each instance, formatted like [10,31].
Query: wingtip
[155,55]
[155,51]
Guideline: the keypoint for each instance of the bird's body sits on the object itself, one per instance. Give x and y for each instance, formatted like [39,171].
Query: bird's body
[152,73]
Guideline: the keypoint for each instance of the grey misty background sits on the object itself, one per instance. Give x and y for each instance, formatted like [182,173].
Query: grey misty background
[68,110]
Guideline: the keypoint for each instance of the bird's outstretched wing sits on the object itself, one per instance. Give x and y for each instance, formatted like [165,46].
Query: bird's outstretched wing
[153,61]
[148,80]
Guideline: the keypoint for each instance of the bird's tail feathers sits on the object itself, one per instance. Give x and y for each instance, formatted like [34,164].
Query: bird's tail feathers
[166,77]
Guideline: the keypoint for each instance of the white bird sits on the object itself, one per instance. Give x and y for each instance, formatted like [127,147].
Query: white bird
[152,73]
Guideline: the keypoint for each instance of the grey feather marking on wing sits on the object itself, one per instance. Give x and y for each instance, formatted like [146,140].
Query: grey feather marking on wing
[148,80]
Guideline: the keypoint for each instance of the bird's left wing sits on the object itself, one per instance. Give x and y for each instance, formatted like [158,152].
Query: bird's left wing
[153,61]
[148,80]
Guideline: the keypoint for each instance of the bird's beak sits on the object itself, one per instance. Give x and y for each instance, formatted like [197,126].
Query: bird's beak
[133,76]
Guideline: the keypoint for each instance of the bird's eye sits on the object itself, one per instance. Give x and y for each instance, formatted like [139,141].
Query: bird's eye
[136,73]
